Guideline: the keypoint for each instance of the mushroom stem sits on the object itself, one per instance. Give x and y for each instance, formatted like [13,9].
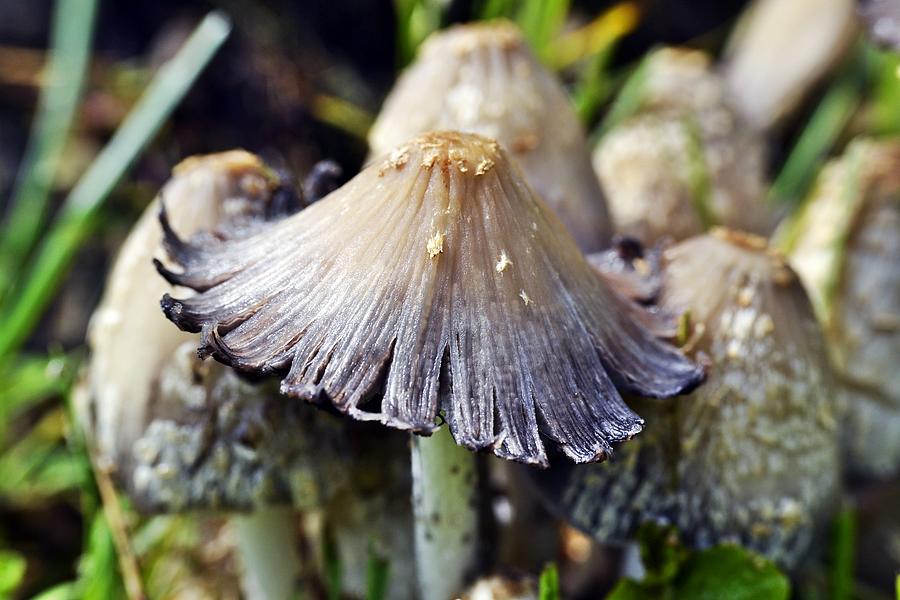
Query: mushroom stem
[446,516]
[632,566]
[270,563]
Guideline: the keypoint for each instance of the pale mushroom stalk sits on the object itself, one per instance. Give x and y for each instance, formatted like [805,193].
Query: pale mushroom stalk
[446,515]
[265,539]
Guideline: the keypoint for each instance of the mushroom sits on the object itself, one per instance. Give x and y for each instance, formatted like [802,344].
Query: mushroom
[844,245]
[752,456]
[180,435]
[435,284]
[781,50]
[483,78]
[685,161]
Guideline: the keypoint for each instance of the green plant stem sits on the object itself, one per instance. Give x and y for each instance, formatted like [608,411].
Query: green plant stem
[446,518]
[77,214]
[62,85]
[818,137]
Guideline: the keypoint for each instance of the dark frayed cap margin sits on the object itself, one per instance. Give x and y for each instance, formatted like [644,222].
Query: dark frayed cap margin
[433,283]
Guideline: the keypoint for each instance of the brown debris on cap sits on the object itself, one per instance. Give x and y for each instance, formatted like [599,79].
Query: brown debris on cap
[387,301]
[483,78]
[753,455]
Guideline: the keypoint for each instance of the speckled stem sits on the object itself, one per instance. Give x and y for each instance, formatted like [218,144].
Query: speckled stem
[446,516]
[270,564]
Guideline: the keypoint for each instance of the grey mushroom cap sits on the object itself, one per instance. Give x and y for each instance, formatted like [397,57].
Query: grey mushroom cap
[434,282]
[483,78]
[129,340]
[752,456]
[685,161]
[844,245]
[180,434]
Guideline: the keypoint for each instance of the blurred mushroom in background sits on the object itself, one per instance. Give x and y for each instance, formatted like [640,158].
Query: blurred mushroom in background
[685,161]
[435,284]
[882,18]
[483,78]
[752,456]
[182,435]
[780,50]
[845,245]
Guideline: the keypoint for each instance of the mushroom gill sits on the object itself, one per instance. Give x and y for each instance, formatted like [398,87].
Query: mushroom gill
[483,78]
[433,282]
[750,457]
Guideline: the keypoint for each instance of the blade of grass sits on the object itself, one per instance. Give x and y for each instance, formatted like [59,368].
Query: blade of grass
[415,19]
[548,584]
[73,223]
[494,9]
[62,85]
[628,101]
[541,21]
[817,138]
[842,551]
[595,37]
[378,570]
[595,42]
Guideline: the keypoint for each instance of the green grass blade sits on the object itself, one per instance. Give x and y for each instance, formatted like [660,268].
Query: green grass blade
[63,82]
[74,221]
[415,19]
[842,553]
[817,139]
[628,101]
[548,584]
[541,21]
[378,571]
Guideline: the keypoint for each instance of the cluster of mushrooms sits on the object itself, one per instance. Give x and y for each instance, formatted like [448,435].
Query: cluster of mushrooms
[468,286]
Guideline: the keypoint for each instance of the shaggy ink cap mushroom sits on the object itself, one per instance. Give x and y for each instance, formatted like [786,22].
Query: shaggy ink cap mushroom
[129,343]
[483,78]
[845,244]
[435,281]
[684,161]
[750,457]
[179,434]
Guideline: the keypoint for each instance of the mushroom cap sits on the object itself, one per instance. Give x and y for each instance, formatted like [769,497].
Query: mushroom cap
[844,245]
[483,78]
[129,340]
[685,161]
[435,281]
[186,435]
[779,52]
[751,456]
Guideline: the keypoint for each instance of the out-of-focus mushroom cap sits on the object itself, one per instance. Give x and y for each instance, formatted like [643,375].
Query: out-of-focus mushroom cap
[845,245]
[882,18]
[129,339]
[752,456]
[484,79]
[685,161]
[434,281]
[781,50]
[215,442]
